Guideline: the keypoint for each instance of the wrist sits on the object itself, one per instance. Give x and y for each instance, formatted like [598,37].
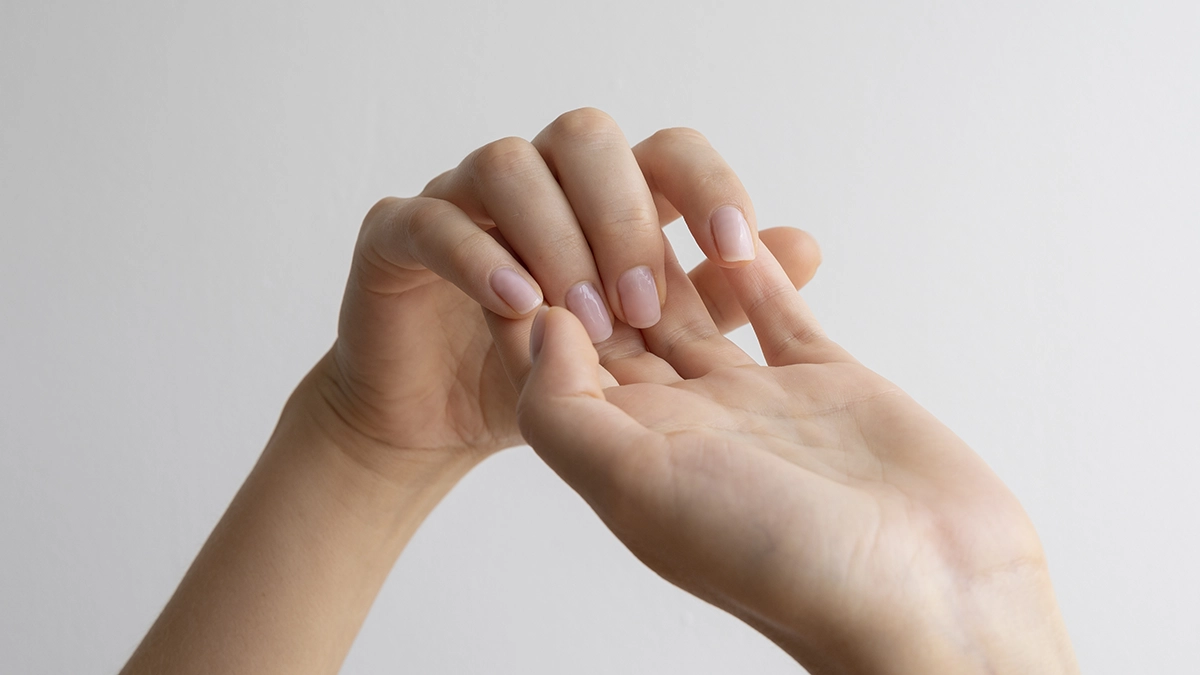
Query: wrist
[1012,624]
[319,404]
[1009,624]
[389,493]
[313,526]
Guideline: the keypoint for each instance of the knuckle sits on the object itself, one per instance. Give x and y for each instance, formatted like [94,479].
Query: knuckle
[422,216]
[381,219]
[679,135]
[684,337]
[800,339]
[467,253]
[565,243]
[769,295]
[437,182]
[505,157]
[633,221]
[586,125]
[381,211]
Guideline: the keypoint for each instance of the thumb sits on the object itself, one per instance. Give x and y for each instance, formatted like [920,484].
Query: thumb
[564,361]
[596,447]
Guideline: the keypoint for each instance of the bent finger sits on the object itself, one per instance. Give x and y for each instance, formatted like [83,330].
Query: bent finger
[683,169]
[408,235]
[508,183]
[687,338]
[589,155]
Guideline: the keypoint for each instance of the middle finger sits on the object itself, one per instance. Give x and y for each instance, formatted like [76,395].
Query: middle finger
[507,182]
[588,154]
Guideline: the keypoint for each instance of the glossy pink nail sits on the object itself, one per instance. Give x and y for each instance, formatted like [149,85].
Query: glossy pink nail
[639,297]
[732,234]
[585,303]
[514,290]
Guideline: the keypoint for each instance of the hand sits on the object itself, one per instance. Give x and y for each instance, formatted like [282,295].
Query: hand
[413,392]
[573,217]
[812,498]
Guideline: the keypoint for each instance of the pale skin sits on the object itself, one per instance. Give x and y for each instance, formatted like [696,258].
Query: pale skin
[809,497]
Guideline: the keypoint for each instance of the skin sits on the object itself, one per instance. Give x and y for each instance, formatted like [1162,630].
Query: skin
[810,498]
[413,393]
[414,368]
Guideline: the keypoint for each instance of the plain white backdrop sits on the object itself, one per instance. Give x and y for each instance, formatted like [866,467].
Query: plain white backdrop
[1007,196]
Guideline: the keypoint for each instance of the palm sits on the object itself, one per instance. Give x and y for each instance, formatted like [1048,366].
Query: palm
[810,497]
[824,480]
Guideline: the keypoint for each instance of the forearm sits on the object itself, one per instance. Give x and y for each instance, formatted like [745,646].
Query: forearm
[286,579]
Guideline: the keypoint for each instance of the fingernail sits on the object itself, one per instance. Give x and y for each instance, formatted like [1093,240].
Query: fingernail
[537,333]
[732,234]
[515,290]
[585,303]
[639,297]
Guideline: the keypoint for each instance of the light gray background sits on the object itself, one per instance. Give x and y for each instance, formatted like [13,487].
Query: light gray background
[1005,192]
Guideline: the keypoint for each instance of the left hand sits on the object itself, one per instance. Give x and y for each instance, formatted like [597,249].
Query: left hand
[414,374]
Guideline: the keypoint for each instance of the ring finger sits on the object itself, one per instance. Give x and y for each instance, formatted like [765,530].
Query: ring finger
[507,183]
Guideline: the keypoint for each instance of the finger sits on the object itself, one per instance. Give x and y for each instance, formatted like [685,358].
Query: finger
[680,165]
[511,338]
[626,357]
[588,153]
[593,445]
[786,329]
[403,237]
[507,182]
[687,338]
[795,250]
[623,357]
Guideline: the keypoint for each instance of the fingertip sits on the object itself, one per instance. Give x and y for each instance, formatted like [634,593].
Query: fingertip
[520,295]
[814,248]
[566,328]
[804,246]
[641,296]
[563,352]
[796,250]
[587,304]
[733,236]
[809,251]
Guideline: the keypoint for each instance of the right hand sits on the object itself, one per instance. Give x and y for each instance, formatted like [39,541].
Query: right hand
[810,497]
[573,218]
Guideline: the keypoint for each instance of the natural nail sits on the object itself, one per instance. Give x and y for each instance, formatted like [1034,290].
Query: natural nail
[732,234]
[639,297]
[585,303]
[537,333]
[515,290]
